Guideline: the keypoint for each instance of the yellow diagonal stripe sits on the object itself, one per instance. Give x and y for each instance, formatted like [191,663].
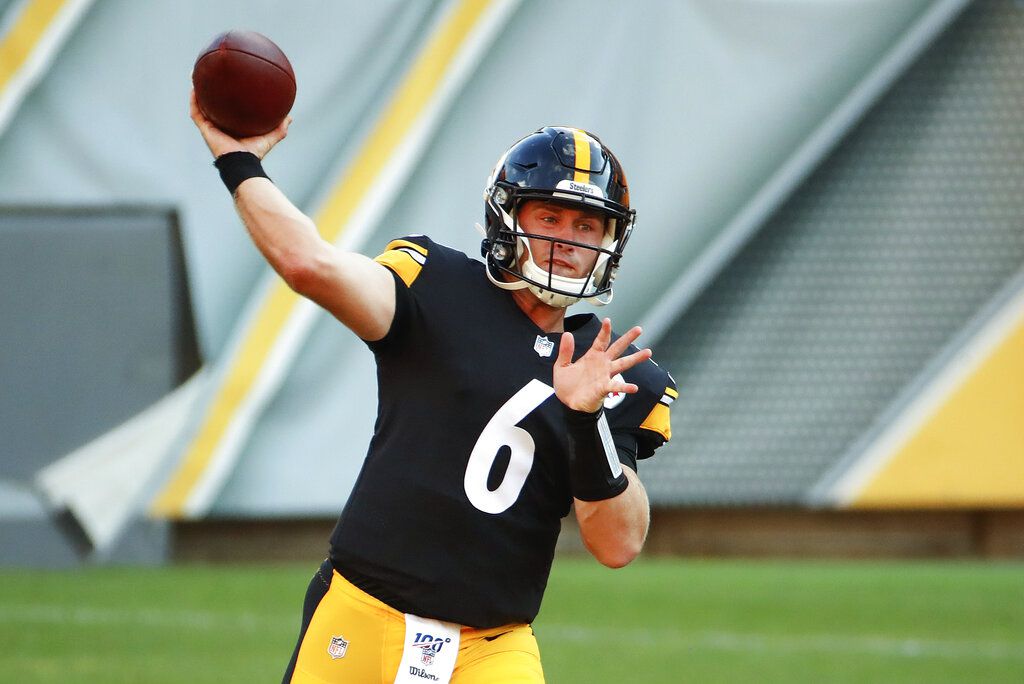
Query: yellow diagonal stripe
[23,36]
[411,98]
[415,92]
[971,451]
[582,143]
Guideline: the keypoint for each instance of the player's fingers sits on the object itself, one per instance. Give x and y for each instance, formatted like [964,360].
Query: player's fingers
[619,346]
[204,125]
[260,145]
[623,387]
[627,362]
[604,336]
[193,109]
[565,349]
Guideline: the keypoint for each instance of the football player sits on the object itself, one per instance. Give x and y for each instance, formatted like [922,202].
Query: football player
[497,413]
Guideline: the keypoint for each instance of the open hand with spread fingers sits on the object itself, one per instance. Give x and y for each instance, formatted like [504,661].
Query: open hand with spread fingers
[582,385]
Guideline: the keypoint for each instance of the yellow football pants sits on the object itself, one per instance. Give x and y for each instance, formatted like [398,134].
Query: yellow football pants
[374,633]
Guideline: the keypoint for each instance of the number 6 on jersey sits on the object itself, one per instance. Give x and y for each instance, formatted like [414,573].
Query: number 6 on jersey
[501,430]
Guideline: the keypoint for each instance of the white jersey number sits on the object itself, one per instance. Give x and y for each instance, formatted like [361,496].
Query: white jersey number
[502,431]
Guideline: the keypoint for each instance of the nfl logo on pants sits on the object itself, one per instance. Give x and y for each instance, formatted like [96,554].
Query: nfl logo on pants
[338,647]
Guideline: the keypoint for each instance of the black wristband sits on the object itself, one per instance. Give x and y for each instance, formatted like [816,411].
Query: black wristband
[595,473]
[236,167]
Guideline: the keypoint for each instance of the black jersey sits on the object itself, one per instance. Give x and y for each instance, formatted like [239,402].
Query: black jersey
[458,505]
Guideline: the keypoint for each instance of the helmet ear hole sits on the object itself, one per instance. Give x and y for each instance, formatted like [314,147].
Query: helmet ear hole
[502,253]
[501,196]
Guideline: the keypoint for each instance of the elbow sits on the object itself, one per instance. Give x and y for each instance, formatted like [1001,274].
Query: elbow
[298,272]
[303,271]
[303,262]
[618,555]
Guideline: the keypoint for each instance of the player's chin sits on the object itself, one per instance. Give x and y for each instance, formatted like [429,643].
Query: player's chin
[563,271]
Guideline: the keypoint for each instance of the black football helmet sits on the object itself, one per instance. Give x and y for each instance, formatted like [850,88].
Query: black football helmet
[565,165]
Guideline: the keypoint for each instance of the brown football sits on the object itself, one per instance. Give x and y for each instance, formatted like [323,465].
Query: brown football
[244,83]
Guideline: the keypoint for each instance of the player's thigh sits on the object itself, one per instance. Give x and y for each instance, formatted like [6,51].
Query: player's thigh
[510,657]
[346,641]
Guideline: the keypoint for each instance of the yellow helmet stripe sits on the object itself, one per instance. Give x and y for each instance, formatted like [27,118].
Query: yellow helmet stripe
[582,141]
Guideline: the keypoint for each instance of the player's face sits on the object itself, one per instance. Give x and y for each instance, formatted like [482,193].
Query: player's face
[559,222]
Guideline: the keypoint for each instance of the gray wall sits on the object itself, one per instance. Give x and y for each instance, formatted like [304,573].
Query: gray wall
[97,325]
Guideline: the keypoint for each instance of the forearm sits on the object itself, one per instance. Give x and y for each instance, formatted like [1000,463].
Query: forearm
[285,236]
[614,529]
[358,291]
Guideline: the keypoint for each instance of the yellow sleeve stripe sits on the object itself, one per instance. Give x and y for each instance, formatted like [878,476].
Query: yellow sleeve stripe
[658,421]
[398,244]
[403,262]
[671,392]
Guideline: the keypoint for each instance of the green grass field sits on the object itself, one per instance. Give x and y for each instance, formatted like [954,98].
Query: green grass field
[656,621]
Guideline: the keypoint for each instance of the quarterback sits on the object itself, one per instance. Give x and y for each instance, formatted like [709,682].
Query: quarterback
[497,413]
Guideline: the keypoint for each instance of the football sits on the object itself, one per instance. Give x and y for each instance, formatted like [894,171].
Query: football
[244,83]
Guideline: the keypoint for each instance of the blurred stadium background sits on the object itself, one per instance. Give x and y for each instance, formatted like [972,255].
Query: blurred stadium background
[829,257]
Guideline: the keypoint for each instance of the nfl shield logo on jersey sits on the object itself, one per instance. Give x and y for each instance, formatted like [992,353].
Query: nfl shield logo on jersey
[543,346]
[337,648]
